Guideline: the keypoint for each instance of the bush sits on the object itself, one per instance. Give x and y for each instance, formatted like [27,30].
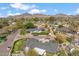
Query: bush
[29,25]
[61,53]
[75,53]
[22,31]
[61,37]
[49,53]
[2,38]
[31,52]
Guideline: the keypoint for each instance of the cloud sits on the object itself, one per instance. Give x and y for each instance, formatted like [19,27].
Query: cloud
[35,11]
[22,6]
[77,11]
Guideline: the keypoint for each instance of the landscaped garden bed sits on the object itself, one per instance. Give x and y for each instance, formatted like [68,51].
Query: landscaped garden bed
[41,33]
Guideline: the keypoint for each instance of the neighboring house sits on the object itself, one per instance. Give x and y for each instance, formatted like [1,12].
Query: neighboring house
[50,46]
[65,30]
[76,42]
[11,23]
[69,47]
[66,25]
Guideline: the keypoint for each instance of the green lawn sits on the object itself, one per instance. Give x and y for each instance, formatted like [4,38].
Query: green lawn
[41,33]
[18,46]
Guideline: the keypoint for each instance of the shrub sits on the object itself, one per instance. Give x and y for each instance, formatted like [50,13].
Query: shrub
[31,52]
[49,53]
[29,25]
[75,53]
[61,37]
[22,31]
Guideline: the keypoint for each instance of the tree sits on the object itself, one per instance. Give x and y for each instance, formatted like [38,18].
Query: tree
[61,37]
[19,24]
[23,31]
[35,19]
[3,23]
[29,25]
[51,19]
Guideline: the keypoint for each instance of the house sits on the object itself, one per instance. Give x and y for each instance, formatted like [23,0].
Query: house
[51,46]
[11,22]
[65,30]
[70,47]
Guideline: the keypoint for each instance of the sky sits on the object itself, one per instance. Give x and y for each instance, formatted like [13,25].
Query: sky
[10,9]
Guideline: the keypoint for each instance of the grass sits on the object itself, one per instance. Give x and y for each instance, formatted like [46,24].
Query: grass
[18,46]
[41,33]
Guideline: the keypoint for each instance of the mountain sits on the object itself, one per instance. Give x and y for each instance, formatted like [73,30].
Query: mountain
[27,15]
[57,16]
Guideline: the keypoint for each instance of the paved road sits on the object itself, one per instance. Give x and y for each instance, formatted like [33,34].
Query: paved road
[4,50]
